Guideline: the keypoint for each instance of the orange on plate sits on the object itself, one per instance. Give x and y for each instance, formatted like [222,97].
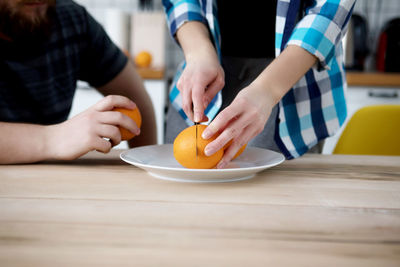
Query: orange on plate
[227,145]
[143,59]
[185,149]
[134,114]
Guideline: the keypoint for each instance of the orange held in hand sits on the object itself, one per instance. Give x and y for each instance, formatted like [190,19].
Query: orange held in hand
[134,114]
[143,59]
[185,149]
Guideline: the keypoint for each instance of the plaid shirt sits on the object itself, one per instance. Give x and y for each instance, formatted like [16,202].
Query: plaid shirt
[315,107]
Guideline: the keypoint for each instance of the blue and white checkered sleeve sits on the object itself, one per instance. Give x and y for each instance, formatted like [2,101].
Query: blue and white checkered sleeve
[322,29]
[180,11]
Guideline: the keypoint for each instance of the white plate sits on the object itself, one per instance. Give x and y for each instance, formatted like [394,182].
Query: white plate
[159,161]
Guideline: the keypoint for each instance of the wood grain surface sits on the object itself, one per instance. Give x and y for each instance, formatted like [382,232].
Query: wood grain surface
[318,210]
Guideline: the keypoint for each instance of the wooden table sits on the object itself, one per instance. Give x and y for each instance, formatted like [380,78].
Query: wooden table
[99,211]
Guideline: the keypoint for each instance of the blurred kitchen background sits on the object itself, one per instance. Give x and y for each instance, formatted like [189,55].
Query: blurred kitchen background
[119,17]
[372,53]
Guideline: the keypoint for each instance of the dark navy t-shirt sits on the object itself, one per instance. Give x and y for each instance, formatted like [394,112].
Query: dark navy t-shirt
[38,78]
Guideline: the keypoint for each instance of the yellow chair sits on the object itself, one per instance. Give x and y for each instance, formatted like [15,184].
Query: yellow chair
[373,130]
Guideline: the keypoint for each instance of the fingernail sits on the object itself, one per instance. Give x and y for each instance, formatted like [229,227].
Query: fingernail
[197,117]
[137,132]
[207,152]
[205,134]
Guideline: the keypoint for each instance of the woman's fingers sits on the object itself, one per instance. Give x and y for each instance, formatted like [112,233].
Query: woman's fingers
[242,120]
[222,119]
[232,130]
[184,85]
[198,103]
[212,90]
[246,135]
[187,104]
[200,81]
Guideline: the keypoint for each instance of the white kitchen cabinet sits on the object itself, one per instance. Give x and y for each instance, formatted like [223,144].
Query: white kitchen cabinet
[86,97]
[360,96]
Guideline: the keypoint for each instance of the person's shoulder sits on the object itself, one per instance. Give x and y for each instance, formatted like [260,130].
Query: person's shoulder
[69,6]
[71,14]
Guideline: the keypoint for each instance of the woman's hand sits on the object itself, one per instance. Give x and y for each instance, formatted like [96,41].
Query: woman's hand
[203,76]
[90,129]
[241,121]
[247,115]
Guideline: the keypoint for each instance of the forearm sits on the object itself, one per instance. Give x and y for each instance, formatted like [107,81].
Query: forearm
[203,76]
[195,40]
[22,143]
[128,83]
[285,71]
